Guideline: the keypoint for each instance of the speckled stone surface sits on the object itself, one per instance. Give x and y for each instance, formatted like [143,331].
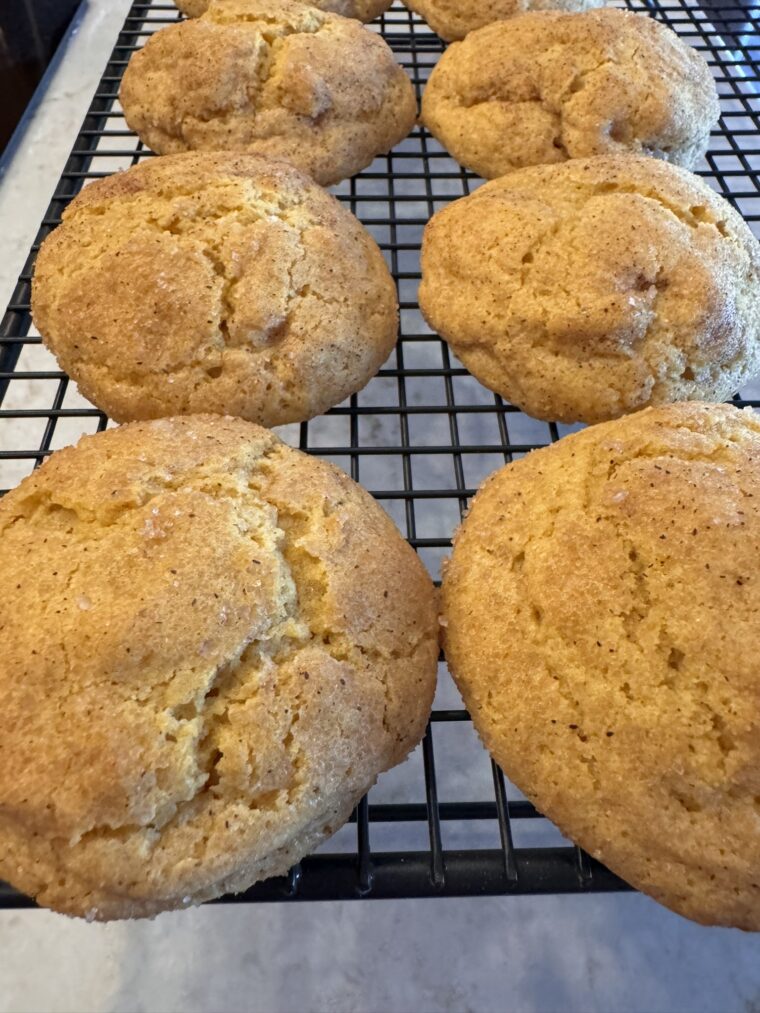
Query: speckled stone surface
[587,954]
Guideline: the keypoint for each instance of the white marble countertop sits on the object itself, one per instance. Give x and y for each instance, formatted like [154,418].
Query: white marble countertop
[596,953]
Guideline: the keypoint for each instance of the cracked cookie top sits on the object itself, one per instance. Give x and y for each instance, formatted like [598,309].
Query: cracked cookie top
[453,19]
[601,609]
[547,86]
[213,646]
[590,289]
[272,77]
[217,283]
[364,10]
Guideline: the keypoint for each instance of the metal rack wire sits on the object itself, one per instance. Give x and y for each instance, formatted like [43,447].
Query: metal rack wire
[421,437]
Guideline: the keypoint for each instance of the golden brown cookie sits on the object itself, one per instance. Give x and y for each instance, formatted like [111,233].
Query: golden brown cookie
[214,283]
[274,77]
[547,86]
[593,288]
[363,10]
[453,19]
[601,608]
[213,644]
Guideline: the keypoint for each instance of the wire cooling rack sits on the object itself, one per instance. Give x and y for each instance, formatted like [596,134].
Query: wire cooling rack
[421,437]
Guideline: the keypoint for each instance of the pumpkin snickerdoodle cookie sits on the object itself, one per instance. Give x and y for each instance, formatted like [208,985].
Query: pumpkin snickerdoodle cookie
[547,86]
[213,644]
[601,612]
[453,19]
[586,290]
[273,77]
[217,283]
[363,10]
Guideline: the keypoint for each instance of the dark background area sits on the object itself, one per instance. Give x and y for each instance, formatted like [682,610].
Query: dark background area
[30,31]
